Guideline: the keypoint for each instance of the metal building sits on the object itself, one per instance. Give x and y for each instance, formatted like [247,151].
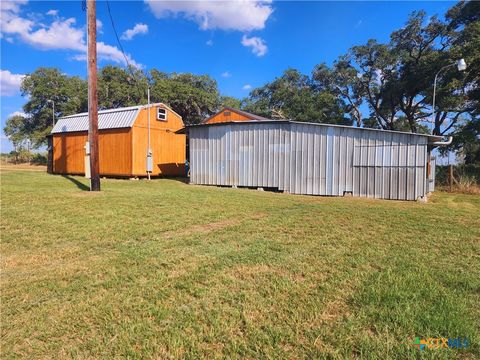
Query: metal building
[312,159]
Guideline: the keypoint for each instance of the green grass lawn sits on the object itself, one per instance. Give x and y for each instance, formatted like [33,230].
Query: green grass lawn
[164,269]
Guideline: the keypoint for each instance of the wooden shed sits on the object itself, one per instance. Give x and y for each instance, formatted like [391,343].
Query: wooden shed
[228,114]
[123,142]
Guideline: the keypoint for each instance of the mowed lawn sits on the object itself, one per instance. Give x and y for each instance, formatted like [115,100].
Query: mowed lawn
[164,269]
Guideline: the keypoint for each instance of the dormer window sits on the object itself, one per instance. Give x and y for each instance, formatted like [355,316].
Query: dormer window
[161,114]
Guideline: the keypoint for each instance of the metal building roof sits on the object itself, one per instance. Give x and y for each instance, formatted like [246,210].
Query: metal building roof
[288,121]
[107,119]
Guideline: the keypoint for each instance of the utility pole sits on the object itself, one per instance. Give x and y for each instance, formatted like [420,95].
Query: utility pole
[149,150]
[92,96]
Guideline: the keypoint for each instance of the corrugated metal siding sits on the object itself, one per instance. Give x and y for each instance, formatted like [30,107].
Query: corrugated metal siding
[108,119]
[310,159]
[431,178]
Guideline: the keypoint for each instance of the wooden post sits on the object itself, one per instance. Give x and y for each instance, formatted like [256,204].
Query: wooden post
[92,96]
[450,176]
[50,154]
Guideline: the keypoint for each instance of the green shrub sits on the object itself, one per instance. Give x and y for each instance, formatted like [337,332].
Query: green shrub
[24,156]
[39,159]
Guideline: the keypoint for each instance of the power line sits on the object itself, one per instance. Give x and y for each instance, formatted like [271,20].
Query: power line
[129,67]
[116,34]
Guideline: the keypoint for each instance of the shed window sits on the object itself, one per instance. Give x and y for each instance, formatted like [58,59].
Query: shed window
[162,114]
[227,113]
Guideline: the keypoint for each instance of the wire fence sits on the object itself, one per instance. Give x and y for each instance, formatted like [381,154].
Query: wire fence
[458,178]
[471,172]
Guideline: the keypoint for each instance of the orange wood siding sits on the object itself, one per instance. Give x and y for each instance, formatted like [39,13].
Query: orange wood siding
[69,153]
[222,117]
[115,152]
[115,148]
[168,148]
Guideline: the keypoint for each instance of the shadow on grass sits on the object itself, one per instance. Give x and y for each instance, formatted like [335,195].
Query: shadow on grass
[79,184]
[184,180]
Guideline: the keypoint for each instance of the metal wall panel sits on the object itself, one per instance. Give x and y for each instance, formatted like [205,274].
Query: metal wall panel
[431,177]
[313,159]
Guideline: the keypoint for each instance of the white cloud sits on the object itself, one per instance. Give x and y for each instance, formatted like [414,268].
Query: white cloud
[10,83]
[11,23]
[257,44]
[52,12]
[13,6]
[112,53]
[61,34]
[226,74]
[99,26]
[247,87]
[137,29]
[17,113]
[209,43]
[242,15]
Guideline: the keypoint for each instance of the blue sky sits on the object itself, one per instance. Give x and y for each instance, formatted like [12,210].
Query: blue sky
[241,44]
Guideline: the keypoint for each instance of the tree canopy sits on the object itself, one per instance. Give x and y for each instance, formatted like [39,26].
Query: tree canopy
[118,87]
[383,85]
[194,97]
[295,96]
[44,85]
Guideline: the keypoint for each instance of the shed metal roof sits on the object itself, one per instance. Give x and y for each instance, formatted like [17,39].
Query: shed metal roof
[107,119]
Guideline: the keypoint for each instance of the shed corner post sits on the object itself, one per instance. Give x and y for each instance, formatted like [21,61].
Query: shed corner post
[50,154]
[132,147]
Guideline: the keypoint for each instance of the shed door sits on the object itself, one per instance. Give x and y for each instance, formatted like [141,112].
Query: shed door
[431,176]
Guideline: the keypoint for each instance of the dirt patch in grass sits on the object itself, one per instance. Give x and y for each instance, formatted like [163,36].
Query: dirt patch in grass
[65,261]
[258,216]
[248,272]
[88,193]
[210,227]
[202,229]
[25,167]
[334,310]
